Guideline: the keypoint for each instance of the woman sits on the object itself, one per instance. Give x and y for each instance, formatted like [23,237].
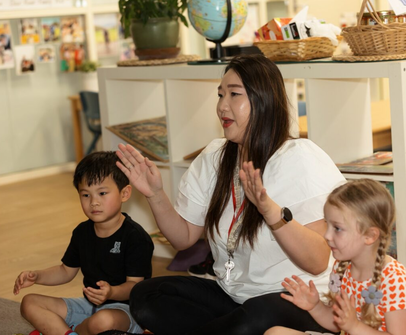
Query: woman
[254,239]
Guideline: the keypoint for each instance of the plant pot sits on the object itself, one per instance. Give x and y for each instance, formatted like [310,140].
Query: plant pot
[158,38]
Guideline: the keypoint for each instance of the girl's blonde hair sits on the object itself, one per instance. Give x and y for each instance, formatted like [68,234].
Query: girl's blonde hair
[372,205]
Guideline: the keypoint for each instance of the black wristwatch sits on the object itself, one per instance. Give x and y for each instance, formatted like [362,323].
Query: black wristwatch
[286,217]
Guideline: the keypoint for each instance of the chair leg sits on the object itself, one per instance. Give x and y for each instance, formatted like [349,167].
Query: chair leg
[93,144]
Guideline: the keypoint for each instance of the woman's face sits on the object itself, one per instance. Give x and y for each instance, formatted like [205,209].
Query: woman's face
[233,107]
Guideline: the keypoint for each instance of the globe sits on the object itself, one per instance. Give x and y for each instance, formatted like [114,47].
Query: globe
[214,20]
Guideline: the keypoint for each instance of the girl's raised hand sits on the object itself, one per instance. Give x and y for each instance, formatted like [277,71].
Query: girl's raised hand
[303,296]
[141,172]
[345,313]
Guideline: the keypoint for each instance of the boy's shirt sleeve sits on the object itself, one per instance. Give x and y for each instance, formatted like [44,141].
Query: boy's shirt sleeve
[71,258]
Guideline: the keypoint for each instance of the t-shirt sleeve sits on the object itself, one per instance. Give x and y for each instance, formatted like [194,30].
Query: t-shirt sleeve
[71,258]
[138,256]
[197,184]
[300,176]
[393,288]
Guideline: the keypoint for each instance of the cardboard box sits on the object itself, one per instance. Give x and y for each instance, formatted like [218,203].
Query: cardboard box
[273,29]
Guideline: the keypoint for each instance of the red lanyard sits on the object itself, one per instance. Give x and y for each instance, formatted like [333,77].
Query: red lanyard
[235,216]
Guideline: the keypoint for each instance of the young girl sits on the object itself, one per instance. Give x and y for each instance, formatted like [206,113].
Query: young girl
[367,287]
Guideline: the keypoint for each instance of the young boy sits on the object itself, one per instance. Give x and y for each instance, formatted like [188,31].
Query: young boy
[112,251]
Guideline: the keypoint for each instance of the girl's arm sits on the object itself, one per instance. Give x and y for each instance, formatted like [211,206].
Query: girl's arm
[304,245]
[345,317]
[146,178]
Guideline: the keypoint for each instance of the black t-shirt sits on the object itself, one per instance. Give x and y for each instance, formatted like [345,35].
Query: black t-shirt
[126,253]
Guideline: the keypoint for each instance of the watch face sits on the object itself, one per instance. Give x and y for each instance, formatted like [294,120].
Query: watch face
[287,214]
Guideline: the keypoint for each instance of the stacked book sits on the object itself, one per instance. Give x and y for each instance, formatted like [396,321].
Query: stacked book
[379,163]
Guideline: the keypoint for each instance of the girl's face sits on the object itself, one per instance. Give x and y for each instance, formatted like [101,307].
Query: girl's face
[233,107]
[342,234]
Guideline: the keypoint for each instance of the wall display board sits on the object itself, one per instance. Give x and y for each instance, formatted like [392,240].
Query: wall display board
[29,31]
[6,52]
[46,53]
[51,29]
[25,59]
[107,34]
[11,5]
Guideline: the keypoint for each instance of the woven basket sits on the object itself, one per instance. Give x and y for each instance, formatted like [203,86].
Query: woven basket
[379,39]
[297,50]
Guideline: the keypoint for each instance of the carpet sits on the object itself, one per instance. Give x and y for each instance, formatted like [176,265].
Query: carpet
[11,321]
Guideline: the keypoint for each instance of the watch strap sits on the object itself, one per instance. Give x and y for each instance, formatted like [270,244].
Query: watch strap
[278,225]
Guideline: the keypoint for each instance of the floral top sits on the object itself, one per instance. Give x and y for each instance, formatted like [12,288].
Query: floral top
[393,289]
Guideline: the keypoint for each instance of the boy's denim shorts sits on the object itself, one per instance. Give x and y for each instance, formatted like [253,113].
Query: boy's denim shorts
[80,309]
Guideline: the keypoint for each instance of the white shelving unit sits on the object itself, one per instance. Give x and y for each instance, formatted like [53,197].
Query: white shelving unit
[338,109]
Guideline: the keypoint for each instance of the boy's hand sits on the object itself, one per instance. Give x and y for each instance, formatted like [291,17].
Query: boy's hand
[24,279]
[303,296]
[98,296]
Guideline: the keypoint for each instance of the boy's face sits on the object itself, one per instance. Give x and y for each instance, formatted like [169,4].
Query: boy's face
[102,202]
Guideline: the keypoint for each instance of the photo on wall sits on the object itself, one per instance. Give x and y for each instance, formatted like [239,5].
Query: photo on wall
[127,48]
[25,62]
[46,53]
[29,31]
[6,51]
[72,29]
[51,29]
[107,34]
[72,56]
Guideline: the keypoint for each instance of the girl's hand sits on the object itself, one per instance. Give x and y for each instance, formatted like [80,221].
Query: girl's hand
[303,296]
[254,189]
[25,279]
[141,172]
[345,313]
[98,296]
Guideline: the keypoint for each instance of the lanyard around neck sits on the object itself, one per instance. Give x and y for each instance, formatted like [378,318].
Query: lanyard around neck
[238,205]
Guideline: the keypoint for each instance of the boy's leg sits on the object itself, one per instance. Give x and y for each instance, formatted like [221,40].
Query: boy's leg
[115,316]
[46,314]
[103,320]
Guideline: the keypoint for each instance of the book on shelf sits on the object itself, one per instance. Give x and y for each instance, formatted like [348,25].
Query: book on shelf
[378,158]
[148,136]
[386,169]
[379,163]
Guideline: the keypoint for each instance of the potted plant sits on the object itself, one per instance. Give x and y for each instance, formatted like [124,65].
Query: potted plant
[89,66]
[89,77]
[153,24]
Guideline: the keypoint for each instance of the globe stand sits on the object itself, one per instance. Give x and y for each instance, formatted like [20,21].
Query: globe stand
[218,49]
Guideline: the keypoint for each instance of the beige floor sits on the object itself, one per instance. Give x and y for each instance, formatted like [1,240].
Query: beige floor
[36,221]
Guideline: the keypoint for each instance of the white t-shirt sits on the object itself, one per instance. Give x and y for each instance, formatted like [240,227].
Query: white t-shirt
[298,176]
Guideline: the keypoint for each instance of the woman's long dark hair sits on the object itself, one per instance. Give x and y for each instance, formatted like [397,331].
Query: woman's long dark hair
[267,129]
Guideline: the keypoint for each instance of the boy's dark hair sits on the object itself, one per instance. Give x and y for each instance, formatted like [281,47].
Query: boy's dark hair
[94,168]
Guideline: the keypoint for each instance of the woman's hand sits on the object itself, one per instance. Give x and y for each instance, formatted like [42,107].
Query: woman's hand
[303,296]
[254,190]
[141,172]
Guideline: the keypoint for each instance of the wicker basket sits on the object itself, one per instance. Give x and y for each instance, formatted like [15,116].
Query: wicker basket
[379,39]
[297,50]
